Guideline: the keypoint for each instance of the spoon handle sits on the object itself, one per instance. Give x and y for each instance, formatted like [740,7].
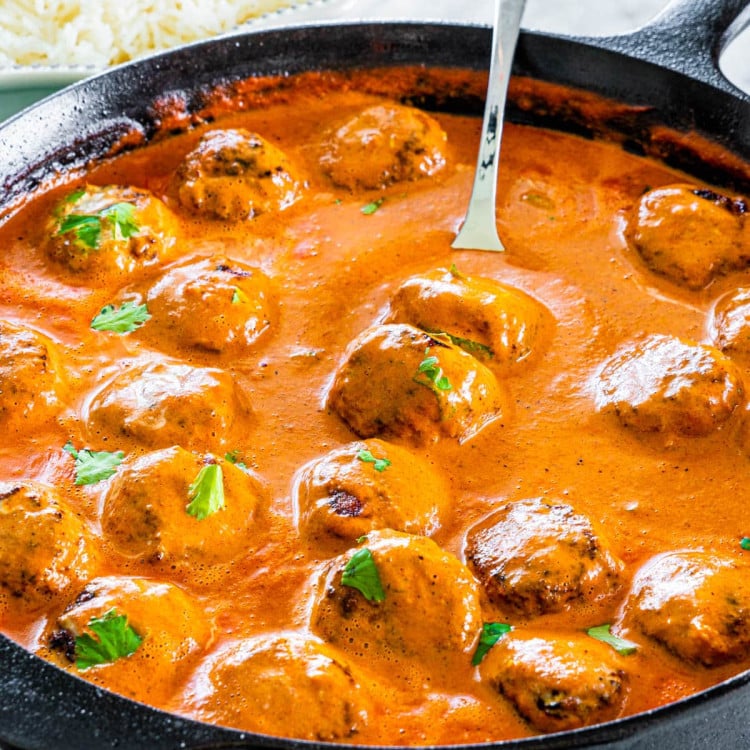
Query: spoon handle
[479,230]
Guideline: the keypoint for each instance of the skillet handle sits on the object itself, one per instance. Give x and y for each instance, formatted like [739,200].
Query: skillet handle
[688,36]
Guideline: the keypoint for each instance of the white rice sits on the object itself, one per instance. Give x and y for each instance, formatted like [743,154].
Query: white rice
[105,32]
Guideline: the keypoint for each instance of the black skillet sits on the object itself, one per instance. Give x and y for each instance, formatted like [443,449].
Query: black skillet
[669,69]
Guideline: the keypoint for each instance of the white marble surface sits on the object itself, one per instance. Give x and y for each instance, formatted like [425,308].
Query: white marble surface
[585,17]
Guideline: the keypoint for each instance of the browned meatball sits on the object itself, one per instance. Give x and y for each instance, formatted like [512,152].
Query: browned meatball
[147,512]
[163,403]
[111,230]
[663,384]
[215,304]
[697,604]
[425,590]
[283,684]
[730,322]
[537,556]
[557,682]
[44,547]
[235,175]
[499,324]
[384,144]
[30,377]
[398,380]
[369,485]
[689,234]
[173,629]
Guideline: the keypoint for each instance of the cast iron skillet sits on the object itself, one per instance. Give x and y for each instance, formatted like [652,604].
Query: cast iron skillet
[670,67]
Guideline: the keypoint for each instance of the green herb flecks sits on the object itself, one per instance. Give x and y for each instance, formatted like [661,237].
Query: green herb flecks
[87,228]
[114,640]
[238,296]
[372,207]
[430,373]
[93,466]
[206,492]
[468,345]
[361,573]
[745,542]
[379,464]
[234,458]
[491,633]
[602,633]
[124,319]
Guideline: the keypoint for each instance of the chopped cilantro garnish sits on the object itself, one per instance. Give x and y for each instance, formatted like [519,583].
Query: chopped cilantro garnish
[379,464]
[745,543]
[361,573]
[372,207]
[238,296]
[455,272]
[538,200]
[124,319]
[490,635]
[233,457]
[430,373]
[115,639]
[206,493]
[87,228]
[93,466]
[602,633]
[468,345]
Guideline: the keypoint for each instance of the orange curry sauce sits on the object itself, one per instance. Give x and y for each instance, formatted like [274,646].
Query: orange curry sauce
[254,573]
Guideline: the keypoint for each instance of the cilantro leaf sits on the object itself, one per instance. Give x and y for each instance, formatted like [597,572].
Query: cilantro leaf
[491,633]
[468,345]
[379,464]
[93,466]
[238,296]
[361,573]
[745,542]
[602,633]
[430,373]
[233,457]
[206,493]
[124,319]
[85,229]
[115,640]
[122,216]
[372,207]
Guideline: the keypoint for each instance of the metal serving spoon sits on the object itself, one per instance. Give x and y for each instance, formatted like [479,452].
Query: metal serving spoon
[479,230]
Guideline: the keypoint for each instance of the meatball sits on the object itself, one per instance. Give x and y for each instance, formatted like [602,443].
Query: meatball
[369,485]
[44,547]
[690,235]
[236,175]
[400,381]
[173,629]
[163,403]
[111,230]
[663,384]
[697,604]
[282,684]
[146,513]
[30,377]
[499,324]
[384,144]
[730,323]
[215,304]
[557,682]
[425,590]
[537,556]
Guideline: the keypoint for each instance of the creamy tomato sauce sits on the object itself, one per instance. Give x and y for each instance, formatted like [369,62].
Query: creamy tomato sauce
[535,487]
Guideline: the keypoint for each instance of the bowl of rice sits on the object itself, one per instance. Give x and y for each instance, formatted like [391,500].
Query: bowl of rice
[48,44]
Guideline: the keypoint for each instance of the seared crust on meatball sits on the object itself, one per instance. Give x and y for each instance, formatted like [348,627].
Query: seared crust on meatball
[497,323]
[111,230]
[663,384]
[557,682]
[44,547]
[163,403]
[145,511]
[172,627]
[236,175]
[425,590]
[214,304]
[369,485]
[690,235]
[30,377]
[384,144]
[397,380]
[697,604]
[284,684]
[537,556]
